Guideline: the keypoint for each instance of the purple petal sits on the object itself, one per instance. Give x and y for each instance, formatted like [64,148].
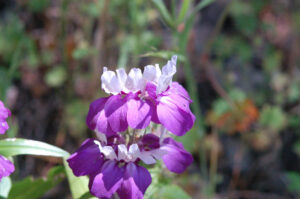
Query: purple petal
[175,116]
[150,141]
[96,119]
[103,124]
[4,112]
[107,181]
[139,113]
[136,181]
[176,88]
[154,117]
[6,167]
[151,90]
[116,112]
[177,159]
[3,126]
[87,159]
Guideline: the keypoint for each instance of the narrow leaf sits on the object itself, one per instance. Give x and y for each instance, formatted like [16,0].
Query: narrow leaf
[164,13]
[18,146]
[202,4]
[165,55]
[184,8]
[78,185]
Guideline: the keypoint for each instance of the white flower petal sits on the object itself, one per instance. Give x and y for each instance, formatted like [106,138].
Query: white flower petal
[134,152]
[99,144]
[170,68]
[109,152]
[159,153]
[134,81]
[122,152]
[101,137]
[110,82]
[122,76]
[147,158]
[163,83]
[151,73]
[167,74]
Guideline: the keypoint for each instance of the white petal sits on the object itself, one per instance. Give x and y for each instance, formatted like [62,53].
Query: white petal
[159,153]
[122,152]
[152,73]
[170,67]
[101,137]
[146,157]
[134,151]
[109,152]
[163,83]
[99,144]
[110,82]
[122,76]
[167,74]
[134,80]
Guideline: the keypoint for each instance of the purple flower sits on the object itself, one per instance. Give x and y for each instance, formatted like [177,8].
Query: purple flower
[173,154]
[114,167]
[4,113]
[6,166]
[138,98]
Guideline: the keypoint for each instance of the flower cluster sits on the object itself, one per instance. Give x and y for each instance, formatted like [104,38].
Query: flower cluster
[6,166]
[138,98]
[4,114]
[122,123]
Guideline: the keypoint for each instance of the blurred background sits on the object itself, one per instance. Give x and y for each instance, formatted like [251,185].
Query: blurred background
[239,59]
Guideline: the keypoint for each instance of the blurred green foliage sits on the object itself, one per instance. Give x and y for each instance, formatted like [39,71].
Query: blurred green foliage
[253,53]
[29,188]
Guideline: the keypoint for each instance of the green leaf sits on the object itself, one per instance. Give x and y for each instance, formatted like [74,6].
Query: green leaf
[294,92]
[237,95]
[38,5]
[165,55]
[5,186]
[173,192]
[5,82]
[294,181]
[190,140]
[83,52]
[272,61]
[56,77]
[184,8]
[18,146]
[220,106]
[296,147]
[202,4]
[164,13]
[87,195]
[190,22]
[29,188]
[78,185]
[272,117]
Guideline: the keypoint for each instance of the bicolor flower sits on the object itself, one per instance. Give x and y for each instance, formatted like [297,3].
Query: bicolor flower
[6,166]
[114,167]
[138,98]
[4,114]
